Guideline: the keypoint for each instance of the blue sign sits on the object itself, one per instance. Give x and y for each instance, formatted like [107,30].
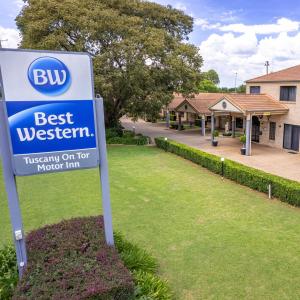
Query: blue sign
[49,76]
[47,126]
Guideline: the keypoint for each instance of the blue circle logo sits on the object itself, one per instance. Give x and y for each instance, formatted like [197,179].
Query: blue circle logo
[49,76]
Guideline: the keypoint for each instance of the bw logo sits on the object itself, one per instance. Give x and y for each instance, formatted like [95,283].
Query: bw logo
[49,76]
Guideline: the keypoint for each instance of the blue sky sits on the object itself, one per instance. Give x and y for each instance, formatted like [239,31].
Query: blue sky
[232,36]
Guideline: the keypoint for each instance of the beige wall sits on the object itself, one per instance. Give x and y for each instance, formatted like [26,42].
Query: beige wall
[292,117]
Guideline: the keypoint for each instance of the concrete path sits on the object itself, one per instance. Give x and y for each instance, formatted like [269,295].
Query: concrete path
[271,160]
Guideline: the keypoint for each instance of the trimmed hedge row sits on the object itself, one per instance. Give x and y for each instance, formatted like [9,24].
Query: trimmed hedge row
[137,140]
[284,189]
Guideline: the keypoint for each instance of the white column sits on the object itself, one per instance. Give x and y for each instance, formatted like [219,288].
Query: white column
[203,125]
[248,134]
[168,119]
[179,121]
[233,126]
[212,127]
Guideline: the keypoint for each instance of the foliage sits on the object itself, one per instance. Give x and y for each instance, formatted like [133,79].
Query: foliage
[151,286]
[212,76]
[216,133]
[229,133]
[243,139]
[207,86]
[284,189]
[137,140]
[140,51]
[144,268]
[71,260]
[134,258]
[113,132]
[240,89]
[8,272]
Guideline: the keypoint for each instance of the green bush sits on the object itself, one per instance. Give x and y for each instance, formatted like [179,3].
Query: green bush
[243,139]
[136,140]
[128,134]
[134,257]
[284,189]
[114,132]
[150,286]
[8,272]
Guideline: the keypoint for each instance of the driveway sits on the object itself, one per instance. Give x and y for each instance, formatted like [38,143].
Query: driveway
[271,160]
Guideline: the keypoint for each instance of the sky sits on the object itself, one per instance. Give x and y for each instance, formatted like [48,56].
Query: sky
[235,36]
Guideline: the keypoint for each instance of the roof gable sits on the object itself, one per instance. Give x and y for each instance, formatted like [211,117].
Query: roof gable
[285,75]
[225,105]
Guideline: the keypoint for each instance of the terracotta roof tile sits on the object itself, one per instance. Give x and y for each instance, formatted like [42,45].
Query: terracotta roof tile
[290,74]
[255,103]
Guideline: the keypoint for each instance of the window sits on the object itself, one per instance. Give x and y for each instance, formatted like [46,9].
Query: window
[254,89]
[288,93]
[272,131]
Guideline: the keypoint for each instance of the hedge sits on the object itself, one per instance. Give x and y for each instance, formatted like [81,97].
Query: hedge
[284,189]
[70,260]
[142,266]
[137,140]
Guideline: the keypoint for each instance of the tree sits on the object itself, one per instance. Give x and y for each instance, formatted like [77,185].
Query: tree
[212,75]
[139,49]
[207,86]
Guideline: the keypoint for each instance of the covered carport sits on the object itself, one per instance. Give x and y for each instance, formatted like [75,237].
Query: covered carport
[246,106]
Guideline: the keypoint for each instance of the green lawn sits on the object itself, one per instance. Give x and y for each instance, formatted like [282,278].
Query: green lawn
[214,239]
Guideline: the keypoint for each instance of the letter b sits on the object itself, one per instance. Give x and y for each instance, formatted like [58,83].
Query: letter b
[39,77]
[39,119]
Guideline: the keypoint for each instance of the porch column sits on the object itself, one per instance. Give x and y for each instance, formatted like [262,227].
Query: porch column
[203,125]
[179,121]
[212,127]
[233,126]
[168,119]
[244,123]
[248,134]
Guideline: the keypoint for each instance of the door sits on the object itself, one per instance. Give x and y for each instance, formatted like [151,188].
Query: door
[291,137]
[255,129]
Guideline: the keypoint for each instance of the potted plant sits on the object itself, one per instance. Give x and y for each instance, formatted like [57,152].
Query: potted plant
[215,141]
[243,141]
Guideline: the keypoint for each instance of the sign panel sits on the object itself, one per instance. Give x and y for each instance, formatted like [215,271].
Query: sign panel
[50,110]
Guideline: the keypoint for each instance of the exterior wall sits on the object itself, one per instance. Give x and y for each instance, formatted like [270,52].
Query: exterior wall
[292,117]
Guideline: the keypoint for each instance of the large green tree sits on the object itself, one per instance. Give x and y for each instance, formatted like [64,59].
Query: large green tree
[140,49]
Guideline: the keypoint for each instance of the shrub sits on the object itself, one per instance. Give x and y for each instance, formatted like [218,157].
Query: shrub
[113,132]
[216,133]
[284,189]
[151,286]
[229,133]
[8,272]
[148,286]
[71,260]
[134,257]
[243,139]
[136,140]
[128,134]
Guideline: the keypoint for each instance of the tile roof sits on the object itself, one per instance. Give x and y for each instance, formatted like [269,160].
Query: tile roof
[290,74]
[200,102]
[255,103]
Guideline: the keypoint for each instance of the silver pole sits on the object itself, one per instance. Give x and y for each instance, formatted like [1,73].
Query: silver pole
[108,228]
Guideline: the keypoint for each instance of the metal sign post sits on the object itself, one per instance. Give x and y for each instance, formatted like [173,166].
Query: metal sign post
[50,122]
[104,172]
[12,195]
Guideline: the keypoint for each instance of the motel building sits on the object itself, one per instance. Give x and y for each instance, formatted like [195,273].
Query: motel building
[268,113]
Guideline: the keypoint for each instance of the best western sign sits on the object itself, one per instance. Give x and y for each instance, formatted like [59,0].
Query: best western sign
[50,111]
[48,124]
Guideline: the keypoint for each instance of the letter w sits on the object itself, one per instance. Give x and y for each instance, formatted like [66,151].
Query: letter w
[57,80]
[26,136]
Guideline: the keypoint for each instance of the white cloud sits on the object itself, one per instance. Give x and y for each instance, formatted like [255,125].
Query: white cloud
[11,35]
[180,6]
[282,25]
[246,54]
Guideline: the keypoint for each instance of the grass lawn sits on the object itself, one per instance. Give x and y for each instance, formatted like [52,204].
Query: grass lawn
[214,239]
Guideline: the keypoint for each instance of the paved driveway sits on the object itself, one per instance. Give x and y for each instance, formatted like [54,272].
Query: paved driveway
[275,161]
